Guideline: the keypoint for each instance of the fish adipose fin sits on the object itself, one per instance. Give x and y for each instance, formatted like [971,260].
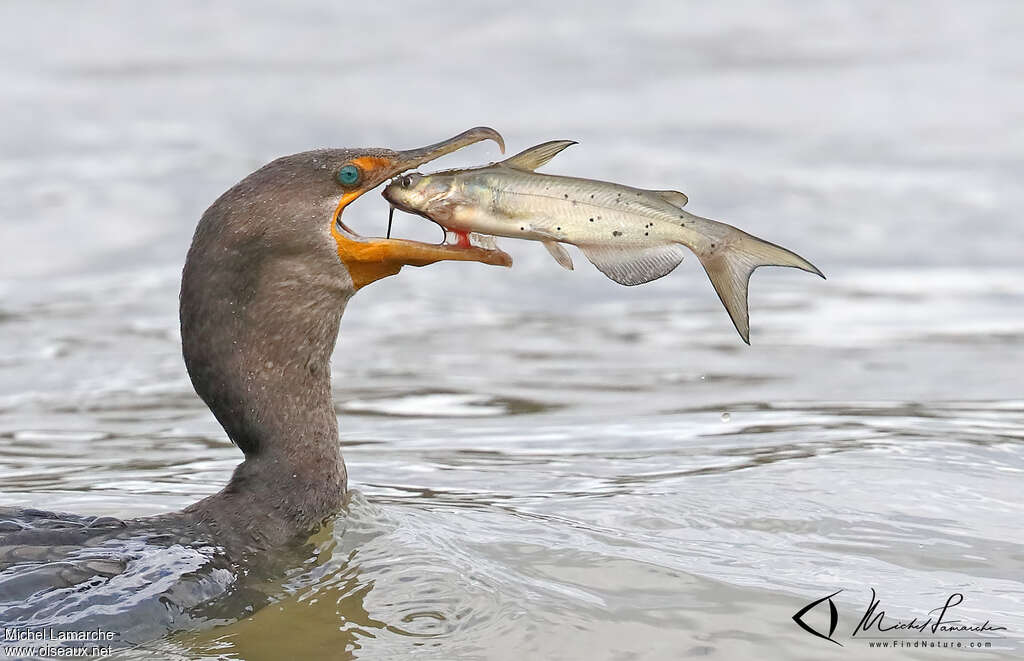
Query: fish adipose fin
[534,157]
[560,254]
[634,265]
[730,264]
[673,197]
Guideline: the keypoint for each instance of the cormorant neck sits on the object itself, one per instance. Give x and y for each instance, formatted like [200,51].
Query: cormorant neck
[257,337]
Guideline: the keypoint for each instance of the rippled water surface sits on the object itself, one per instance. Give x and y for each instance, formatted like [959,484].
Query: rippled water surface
[546,464]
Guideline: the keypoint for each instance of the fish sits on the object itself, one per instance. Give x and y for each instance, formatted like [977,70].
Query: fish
[632,235]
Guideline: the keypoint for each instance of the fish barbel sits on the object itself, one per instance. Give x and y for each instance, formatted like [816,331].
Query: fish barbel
[630,234]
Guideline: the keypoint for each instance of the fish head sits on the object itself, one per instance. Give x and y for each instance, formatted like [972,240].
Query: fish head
[427,195]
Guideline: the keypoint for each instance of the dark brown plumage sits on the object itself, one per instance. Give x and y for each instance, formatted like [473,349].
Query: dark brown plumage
[266,280]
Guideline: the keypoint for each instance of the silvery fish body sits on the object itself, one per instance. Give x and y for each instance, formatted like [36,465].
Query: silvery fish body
[630,234]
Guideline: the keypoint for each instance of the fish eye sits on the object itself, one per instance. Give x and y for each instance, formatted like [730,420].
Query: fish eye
[406,181]
[348,175]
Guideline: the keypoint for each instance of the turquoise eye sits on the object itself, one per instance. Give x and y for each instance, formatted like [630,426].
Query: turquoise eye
[348,175]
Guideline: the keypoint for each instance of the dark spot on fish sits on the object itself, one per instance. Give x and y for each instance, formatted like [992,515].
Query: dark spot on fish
[566,196]
[591,220]
[638,194]
[646,233]
[616,233]
[682,216]
[558,229]
[712,246]
[523,228]
[591,196]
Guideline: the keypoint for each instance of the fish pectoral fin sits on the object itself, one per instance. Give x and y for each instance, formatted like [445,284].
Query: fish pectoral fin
[536,156]
[560,254]
[634,265]
[673,197]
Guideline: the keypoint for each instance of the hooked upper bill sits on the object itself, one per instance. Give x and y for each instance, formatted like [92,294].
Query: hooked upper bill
[370,259]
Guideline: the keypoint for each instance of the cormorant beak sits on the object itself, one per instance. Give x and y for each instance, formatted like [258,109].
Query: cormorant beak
[370,259]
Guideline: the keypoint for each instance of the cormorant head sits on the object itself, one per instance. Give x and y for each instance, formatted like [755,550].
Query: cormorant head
[291,209]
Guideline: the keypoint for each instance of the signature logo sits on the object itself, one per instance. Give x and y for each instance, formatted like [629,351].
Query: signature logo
[833,618]
[939,620]
[939,625]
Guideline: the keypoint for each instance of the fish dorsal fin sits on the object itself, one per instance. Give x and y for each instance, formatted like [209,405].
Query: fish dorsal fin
[634,265]
[536,156]
[560,254]
[673,197]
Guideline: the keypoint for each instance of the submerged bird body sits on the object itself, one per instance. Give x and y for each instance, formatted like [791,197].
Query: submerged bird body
[630,234]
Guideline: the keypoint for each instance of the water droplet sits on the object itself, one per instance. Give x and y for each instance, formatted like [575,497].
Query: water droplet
[725,416]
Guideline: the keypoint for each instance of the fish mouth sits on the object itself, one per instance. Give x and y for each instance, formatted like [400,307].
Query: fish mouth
[371,258]
[451,238]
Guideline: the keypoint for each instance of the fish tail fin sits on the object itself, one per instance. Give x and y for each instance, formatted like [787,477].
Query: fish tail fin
[729,263]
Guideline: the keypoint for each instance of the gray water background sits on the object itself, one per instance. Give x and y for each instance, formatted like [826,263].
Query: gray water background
[543,464]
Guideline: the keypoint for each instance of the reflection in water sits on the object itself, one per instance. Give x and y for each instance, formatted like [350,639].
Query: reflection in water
[394,586]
